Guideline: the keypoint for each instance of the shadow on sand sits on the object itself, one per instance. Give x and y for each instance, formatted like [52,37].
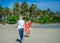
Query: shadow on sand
[18,40]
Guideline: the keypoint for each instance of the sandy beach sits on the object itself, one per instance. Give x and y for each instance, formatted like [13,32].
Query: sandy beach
[9,34]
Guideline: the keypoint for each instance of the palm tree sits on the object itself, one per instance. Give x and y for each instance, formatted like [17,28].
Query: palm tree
[6,13]
[24,8]
[46,12]
[1,12]
[48,9]
[39,12]
[16,9]
[57,13]
[32,9]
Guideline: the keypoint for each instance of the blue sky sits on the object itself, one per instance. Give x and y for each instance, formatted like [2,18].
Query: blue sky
[54,5]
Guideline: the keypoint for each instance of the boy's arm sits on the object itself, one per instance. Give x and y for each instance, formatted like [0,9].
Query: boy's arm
[17,22]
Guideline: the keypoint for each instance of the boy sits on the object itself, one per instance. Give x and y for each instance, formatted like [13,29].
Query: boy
[21,27]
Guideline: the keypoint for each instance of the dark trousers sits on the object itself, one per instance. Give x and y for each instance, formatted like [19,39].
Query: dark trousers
[21,33]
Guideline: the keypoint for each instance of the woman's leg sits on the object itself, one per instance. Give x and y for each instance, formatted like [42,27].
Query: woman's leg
[28,33]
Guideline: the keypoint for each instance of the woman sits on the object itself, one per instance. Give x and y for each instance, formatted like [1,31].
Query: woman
[27,28]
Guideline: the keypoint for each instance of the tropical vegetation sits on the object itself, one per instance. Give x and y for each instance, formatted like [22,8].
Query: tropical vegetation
[36,15]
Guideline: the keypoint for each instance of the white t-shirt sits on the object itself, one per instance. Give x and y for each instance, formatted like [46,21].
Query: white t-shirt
[20,24]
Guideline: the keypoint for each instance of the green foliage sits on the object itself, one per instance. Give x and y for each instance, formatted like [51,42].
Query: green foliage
[56,19]
[30,12]
[44,19]
[12,19]
[0,17]
[25,18]
[24,7]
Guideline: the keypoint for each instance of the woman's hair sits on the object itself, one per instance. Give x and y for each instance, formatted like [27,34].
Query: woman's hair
[29,20]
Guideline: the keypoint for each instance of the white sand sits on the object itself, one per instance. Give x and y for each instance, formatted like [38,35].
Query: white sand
[9,34]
